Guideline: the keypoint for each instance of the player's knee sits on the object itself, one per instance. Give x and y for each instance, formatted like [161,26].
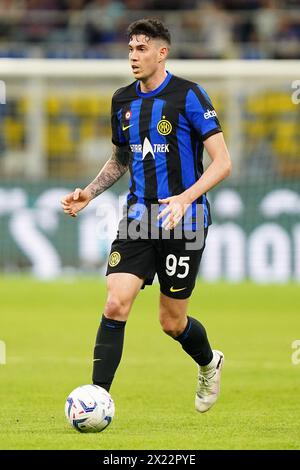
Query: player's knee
[171,327]
[116,309]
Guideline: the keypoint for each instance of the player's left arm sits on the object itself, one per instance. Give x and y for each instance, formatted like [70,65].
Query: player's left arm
[217,171]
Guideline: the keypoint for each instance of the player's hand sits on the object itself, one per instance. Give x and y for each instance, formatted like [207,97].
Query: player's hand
[75,201]
[175,210]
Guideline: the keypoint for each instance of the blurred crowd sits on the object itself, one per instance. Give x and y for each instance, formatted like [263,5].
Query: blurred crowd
[246,29]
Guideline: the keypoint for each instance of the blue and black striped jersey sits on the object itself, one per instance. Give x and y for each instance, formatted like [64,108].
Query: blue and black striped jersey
[163,132]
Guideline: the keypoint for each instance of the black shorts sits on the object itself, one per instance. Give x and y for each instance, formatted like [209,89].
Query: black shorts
[176,261]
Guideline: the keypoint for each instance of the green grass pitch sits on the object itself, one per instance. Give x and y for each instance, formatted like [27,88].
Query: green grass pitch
[49,330]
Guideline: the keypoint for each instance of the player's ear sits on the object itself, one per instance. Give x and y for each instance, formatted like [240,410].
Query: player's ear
[163,53]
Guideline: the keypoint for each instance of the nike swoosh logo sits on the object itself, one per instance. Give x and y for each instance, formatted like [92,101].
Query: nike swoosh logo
[176,290]
[124,128]
[94,360]
[219,363]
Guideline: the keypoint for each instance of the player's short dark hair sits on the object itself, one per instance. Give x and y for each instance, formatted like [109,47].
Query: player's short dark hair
[150,27]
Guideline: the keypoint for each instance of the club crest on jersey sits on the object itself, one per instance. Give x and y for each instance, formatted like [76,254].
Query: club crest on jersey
[164,127]
[114,259]
[128,115]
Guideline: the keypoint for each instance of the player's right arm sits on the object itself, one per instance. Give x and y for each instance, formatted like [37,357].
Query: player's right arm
[112,171]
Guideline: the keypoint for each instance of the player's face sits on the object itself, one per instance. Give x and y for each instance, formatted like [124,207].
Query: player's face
[145,56]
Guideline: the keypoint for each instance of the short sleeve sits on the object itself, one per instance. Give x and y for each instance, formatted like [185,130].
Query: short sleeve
[118,137]
[201,113]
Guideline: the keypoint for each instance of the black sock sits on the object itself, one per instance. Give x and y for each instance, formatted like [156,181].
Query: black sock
[195,343]
[108,351]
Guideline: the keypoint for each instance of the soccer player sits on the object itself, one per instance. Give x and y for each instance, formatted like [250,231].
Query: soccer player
[160,126]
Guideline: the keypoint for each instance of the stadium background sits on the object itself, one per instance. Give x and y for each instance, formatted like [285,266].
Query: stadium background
[60,63]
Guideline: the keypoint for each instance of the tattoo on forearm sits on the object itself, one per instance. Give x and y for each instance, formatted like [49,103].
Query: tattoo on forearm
[112,171]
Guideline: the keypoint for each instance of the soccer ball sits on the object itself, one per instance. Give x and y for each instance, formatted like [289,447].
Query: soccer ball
[89,408]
